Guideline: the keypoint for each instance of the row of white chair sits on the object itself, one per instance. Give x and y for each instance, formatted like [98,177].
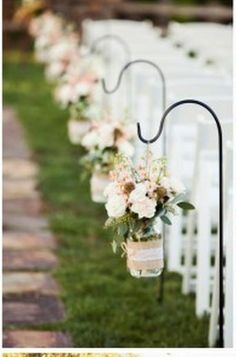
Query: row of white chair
[196,37]
[191,154]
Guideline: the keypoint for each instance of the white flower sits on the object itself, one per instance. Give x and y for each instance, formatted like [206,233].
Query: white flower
[41,42]
[93,112]
[165,182]
[41,56]
[105,136]
[77,130]
[112,189]
[144,208]
[94,65]
[54,70]
[63,95]
[82,89]
[141,204]
[139,193]
[90,140]
[172,185]
[62,50]
[130,131]
[116,206]
[84,51]
[125,147]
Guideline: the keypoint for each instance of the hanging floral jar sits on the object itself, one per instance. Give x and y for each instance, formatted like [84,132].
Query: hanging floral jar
[79,122]
[145,258]
[104,140]
[77,91]
[98,183]
[76,130]
[138,200]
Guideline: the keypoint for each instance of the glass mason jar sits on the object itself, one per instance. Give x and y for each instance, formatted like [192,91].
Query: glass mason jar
[77,129]
[145,259]
[98,183]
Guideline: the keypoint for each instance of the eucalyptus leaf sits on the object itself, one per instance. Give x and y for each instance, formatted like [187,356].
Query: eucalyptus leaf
[166,220]
[122,229]
[185,205]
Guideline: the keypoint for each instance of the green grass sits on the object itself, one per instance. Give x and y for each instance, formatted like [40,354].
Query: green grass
[105,306]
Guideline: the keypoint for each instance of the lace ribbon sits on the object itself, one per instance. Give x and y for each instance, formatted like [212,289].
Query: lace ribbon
[142,254]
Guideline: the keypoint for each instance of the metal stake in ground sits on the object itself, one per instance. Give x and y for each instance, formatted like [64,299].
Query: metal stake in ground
[163,82]
[221,233]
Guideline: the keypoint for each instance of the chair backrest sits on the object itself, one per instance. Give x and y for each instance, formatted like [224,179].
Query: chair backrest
[207,133]
[228,177]
[222,106]
[194,89]
[207,145]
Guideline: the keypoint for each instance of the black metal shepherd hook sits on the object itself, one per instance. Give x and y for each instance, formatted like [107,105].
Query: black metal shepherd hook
[118,39]
[161,74]
[163,81]
[221,233]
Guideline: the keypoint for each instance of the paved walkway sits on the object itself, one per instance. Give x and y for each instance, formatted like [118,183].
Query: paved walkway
[30,293]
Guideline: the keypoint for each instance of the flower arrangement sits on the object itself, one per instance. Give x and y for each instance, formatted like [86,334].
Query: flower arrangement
[71,90]
[103,141]
[78,92]
[47,29]
[79,82]
[61,55]
[56,43]
[76,75]
[137,198]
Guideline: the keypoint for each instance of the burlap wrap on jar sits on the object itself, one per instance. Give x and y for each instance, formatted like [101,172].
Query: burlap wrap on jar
[145,255]
[77,129]
[98,184]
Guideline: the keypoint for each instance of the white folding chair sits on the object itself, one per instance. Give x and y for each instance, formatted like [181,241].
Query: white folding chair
[228,240]
[204,178]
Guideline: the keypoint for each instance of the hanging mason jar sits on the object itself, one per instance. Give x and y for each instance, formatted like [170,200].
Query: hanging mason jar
[77,129]
[98,183]
[145,258]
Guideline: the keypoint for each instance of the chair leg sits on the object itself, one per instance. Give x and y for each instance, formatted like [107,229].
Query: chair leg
[188,253]
[229,277]
[203,241]
[213,326]
[174,245]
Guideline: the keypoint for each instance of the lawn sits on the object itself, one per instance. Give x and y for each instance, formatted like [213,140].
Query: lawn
[105,306]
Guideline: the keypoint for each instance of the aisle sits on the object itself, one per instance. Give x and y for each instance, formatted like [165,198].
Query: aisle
[31,295]
[105,306]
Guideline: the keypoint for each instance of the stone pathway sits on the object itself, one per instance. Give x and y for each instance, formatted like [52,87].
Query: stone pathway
[30,293]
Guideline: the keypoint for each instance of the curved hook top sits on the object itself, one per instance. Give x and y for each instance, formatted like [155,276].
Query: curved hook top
[117,38]
[126,67]
[168,110]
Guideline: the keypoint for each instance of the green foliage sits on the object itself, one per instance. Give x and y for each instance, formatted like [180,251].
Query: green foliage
[122,226]
[105,307]
[186,205]
[101,160]
[78,110]
[166,220]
